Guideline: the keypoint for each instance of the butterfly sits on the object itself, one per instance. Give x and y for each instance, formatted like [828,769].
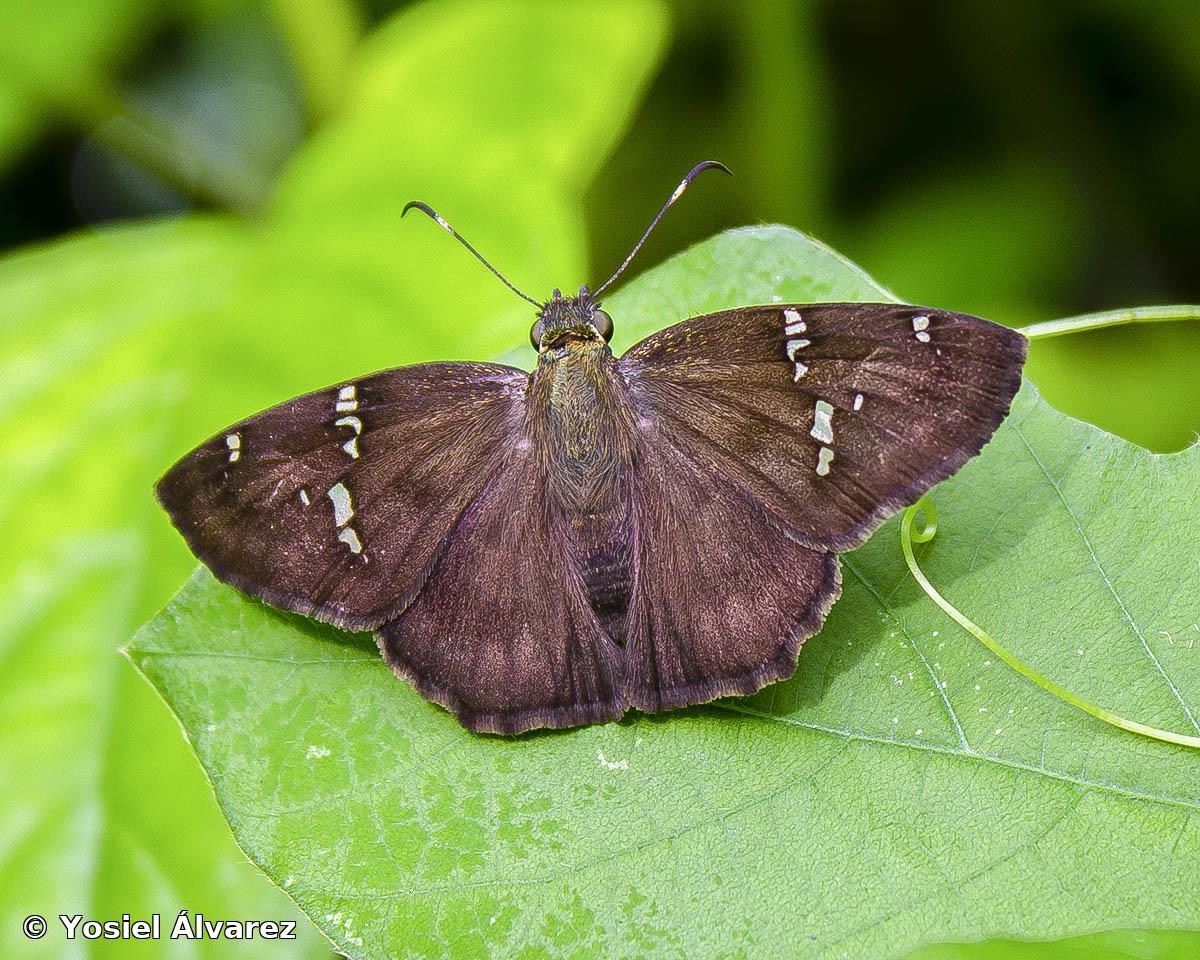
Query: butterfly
[551,549]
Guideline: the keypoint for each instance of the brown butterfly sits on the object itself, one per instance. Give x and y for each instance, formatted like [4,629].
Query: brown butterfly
[551,549]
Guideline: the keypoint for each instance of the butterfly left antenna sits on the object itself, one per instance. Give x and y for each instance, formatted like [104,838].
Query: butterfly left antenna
[437,218]
[683,185]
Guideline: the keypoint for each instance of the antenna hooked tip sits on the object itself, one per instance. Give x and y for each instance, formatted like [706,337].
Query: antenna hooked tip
[423,207]
[683,185]
[438,219]
[708,165]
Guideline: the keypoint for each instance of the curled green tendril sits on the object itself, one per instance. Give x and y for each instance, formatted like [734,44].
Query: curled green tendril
[926,532]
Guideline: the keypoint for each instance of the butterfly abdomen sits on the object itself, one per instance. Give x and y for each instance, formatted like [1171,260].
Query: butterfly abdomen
[603,550]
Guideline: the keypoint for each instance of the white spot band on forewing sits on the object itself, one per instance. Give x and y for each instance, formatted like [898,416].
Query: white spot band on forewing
[349,536]
[920,327]
[347,400]
[801,370]
[351,447]
[824,459]
[304,497]
[234,442]
[858,401]
[822,428]
[343,509]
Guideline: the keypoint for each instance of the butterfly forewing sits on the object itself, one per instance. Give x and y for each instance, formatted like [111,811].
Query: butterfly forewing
[335,504]
[830,416]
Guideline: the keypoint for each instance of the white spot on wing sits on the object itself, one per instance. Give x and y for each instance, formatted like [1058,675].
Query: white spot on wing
[347,400]
[793,346]
[355,424]
[304,497]
[801,370]
[349,536]
[234,442]
[920,327]
[343,509]
[822,428]
[858,401]
[824,459]
[792,325]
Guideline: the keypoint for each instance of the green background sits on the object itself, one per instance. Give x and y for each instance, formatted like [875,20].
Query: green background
[200,201]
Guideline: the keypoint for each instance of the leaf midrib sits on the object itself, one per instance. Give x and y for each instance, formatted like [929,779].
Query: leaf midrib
[968,754]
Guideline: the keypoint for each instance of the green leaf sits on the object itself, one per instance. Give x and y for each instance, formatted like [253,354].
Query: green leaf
[55,58]
[899,790]
[122,349]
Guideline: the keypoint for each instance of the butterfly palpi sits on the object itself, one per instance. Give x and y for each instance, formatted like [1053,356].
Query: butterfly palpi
[552,548]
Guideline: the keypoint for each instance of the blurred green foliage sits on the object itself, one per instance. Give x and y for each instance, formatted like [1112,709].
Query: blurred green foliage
[1023,162]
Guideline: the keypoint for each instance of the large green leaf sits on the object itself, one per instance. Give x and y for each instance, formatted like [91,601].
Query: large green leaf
[901,789]
[123,348]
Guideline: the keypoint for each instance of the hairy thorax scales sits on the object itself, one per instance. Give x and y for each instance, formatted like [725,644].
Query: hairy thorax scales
[579,422]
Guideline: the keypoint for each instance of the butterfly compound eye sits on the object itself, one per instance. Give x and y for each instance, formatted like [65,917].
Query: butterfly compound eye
[603,324]
[535,335]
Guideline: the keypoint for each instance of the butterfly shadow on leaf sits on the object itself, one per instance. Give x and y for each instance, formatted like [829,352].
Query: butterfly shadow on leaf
[879,596]
[322,632]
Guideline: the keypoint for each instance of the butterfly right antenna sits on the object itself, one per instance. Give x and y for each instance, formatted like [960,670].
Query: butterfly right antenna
[683,185]
[437,218]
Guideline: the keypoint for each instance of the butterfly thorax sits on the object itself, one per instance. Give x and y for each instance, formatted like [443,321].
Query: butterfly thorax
[578,418]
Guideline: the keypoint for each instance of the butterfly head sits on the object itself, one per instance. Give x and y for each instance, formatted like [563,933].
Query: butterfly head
[562,320]
[570,323]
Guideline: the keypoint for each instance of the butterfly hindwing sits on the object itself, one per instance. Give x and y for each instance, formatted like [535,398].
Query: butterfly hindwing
[502,634]
[336,503]
[830,416]
[721,598]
